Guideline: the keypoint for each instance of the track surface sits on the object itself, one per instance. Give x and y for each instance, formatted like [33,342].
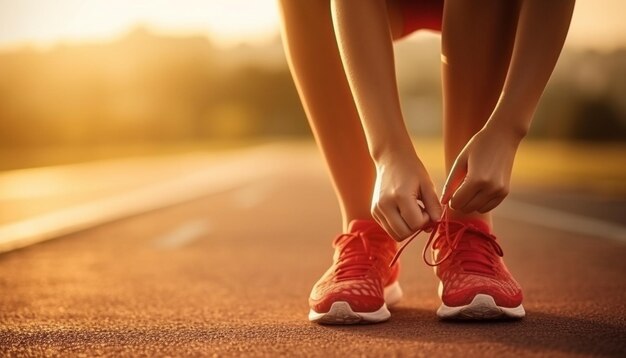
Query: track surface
[229,274]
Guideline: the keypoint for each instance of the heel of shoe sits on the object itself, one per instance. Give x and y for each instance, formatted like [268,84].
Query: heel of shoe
[393,294]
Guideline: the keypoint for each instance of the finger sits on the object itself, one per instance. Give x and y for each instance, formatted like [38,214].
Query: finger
[466,192]
[426,227]
[423,209]
[478,201]
[384,224]
[455,178]
[396,222]
[412,213]
[431,203]
[492,204]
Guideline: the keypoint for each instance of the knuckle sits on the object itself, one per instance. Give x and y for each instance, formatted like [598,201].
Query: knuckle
[386,200]
[500,191]
[415,224]
[479,181]
[396,195]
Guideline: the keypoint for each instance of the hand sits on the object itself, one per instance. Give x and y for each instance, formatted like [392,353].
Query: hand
[404,198]
[479,179]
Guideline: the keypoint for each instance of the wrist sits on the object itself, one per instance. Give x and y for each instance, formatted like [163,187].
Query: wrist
[513,116]
[515,127]
[391,151]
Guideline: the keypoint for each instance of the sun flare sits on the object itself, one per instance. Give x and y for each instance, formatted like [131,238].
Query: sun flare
[43,23]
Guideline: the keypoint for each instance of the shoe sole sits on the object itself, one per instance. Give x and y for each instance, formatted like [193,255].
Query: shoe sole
[482,307]
[340,312]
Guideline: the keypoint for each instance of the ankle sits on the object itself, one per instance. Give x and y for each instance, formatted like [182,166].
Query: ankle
[364,217]
[362,225]
[473,217]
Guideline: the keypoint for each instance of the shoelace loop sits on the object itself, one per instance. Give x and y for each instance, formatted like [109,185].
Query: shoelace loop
[435,241]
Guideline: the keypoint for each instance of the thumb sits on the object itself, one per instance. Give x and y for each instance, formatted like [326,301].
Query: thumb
[432,204]
[455,178]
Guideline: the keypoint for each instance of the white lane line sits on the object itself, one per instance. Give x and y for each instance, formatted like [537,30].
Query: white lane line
[560,220]
[231,171]
[183,234]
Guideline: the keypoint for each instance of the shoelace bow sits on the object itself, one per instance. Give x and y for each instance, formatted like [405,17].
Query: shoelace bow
[347,269]
[476,255]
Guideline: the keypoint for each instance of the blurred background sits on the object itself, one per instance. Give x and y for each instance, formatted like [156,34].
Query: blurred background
[90,80]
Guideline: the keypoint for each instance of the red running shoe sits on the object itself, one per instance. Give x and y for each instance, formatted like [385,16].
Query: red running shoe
[360,283]
[475,283]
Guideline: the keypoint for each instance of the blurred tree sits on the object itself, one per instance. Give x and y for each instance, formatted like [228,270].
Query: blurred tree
[597,120]
[147,88]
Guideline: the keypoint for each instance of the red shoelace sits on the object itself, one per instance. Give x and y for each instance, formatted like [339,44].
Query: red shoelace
[477,257]
[352,262]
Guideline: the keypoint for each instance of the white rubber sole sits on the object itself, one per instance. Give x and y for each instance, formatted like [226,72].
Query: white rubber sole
[482,307]
[341,313]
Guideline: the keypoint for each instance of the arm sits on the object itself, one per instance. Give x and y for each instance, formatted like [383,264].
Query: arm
[365,45]
[541,32]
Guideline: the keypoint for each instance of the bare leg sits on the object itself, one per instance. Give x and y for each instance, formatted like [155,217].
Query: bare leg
[316,66]
[477,40]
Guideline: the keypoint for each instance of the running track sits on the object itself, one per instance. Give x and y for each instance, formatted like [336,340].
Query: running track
[229,274]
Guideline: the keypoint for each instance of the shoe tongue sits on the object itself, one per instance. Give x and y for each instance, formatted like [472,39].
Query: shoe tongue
[364,225]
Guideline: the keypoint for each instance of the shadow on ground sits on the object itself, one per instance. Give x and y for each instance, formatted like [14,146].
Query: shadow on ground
[539,332]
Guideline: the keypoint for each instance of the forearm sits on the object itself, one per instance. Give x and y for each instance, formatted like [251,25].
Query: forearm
[365,45]
[541,32]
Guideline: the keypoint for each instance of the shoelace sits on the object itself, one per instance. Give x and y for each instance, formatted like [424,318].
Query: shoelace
[474,258]
[348,269]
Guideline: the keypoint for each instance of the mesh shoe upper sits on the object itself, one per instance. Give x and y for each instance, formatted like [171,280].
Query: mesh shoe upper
[360,269]
[468,260]
[471,263]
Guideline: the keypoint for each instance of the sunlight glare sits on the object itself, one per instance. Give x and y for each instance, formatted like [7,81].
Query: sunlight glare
[43,23]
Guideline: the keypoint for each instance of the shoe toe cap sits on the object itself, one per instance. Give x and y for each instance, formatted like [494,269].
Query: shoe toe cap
[506,293]
[359,299]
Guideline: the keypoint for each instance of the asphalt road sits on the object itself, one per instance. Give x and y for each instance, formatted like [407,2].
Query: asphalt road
[229,274]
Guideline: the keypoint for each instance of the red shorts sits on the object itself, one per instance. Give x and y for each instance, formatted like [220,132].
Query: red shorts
[421,14]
